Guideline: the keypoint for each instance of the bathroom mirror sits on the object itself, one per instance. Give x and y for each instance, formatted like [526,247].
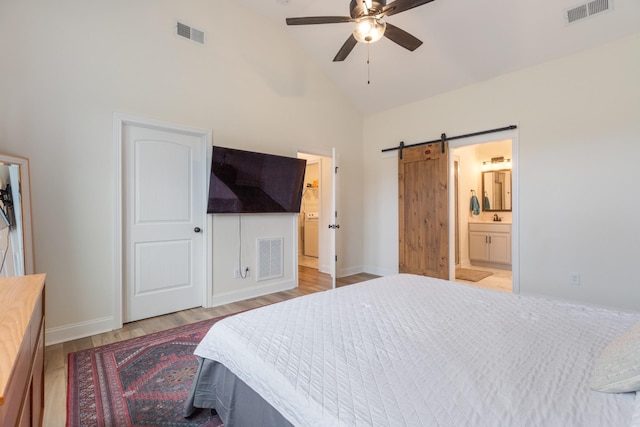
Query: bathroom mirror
[16,240]
[496,191]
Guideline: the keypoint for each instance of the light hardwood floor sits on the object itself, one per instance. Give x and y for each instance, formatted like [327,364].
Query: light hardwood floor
[310,281]
[307,261]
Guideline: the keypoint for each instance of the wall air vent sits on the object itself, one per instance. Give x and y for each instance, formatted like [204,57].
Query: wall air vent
[586,10]
[270,257]
[190,33]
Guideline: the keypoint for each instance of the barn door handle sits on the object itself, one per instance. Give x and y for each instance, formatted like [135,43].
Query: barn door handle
[197,229]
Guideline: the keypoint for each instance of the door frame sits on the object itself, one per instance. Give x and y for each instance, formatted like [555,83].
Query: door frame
[335,207]
[318,162]
[120,120]
[456,210]
[326,155]
[513,135]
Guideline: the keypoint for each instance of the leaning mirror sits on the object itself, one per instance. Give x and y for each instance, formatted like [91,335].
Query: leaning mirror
[496,190]
[16,241]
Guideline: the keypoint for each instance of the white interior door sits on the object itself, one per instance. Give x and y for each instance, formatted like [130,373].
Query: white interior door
[334,224]
[164,242]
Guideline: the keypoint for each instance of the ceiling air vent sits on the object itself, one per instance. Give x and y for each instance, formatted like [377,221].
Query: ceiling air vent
[586,10]
[190,33]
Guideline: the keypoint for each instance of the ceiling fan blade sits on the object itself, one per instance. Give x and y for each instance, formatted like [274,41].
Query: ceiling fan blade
[318,20]
[401,37]
[401,5]
[346,49]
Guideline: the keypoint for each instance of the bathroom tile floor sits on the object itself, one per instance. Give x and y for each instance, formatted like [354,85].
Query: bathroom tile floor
[500,280]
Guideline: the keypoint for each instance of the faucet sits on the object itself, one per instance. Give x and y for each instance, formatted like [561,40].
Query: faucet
[496,217]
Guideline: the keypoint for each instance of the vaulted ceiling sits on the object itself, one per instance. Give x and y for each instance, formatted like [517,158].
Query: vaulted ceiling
[464,42]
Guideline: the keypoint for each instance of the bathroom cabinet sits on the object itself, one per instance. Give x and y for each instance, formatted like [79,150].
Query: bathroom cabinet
[490,244]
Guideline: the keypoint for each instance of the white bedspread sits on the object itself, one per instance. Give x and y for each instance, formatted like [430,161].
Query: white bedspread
[411,350]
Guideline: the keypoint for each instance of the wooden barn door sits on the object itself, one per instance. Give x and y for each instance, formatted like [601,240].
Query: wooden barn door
[424,211]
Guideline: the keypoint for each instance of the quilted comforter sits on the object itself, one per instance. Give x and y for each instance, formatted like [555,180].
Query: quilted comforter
[411,350]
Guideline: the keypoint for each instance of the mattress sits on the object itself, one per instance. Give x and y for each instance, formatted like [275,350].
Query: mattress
[412,350]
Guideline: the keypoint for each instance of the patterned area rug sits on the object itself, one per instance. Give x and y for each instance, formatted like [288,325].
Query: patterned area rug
[142,381]
[471,275]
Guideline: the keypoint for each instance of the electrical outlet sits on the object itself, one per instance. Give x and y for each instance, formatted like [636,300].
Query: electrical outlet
[574,279]
[244,275]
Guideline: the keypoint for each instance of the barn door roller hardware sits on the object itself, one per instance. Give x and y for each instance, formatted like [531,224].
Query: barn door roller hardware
[444,138]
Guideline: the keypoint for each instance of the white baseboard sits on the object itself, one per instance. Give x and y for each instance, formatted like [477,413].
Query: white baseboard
[350,271]
[324,269]
[229,297]
[77,330]
[465,263]
[379,271]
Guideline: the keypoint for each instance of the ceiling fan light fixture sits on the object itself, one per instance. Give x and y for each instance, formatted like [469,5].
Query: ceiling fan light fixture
[369,29]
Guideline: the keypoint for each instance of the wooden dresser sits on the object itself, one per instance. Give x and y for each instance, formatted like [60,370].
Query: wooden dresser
[22,350]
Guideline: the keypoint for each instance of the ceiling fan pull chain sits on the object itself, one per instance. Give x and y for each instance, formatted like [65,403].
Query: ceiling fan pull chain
[368,63]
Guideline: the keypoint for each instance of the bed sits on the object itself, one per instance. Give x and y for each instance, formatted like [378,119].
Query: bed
[409,350]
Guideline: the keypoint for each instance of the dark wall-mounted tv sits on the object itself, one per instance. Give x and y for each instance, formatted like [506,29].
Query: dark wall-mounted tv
[249,182]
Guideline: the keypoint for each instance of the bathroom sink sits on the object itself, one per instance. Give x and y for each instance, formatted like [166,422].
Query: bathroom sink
[489,221]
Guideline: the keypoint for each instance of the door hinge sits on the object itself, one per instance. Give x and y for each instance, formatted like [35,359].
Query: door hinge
[336,170]
[336,258]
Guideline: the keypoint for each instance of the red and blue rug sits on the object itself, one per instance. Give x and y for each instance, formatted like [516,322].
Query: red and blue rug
[142,381]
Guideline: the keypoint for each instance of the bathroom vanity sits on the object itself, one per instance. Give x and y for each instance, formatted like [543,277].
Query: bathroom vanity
[490,244]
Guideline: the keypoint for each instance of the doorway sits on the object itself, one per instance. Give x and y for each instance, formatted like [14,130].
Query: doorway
[486,247]
[314,239]
[309,217]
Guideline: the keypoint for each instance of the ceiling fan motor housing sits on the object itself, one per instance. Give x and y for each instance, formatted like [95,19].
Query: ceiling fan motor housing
[359,8]
[370,27]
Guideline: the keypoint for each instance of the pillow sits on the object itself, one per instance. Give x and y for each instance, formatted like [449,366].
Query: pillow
[617,369]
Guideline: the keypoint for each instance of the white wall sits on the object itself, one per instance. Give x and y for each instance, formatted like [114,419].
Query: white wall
[235,247]
[578,121]
[68,65]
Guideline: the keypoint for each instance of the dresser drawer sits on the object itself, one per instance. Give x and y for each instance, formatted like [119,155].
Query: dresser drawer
[18,382]
[22,305]
[37,383]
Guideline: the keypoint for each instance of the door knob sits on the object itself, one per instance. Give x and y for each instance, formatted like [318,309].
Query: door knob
[197,229]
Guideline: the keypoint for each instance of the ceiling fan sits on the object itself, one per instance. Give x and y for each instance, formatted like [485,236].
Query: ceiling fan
[367,15]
